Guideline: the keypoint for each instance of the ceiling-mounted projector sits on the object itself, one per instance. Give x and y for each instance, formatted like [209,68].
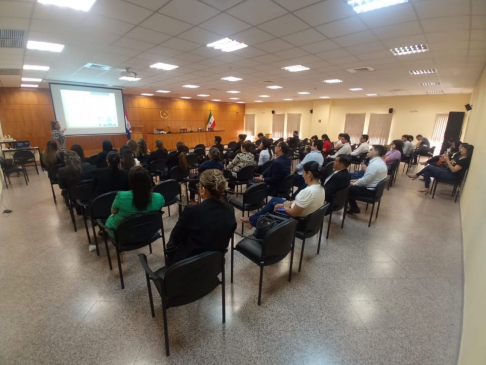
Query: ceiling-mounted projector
[129,75]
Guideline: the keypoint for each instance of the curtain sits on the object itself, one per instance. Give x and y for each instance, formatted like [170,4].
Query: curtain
[250,124]
[354,125]
[293,123]
[439,131]
[379,128]
[278,126]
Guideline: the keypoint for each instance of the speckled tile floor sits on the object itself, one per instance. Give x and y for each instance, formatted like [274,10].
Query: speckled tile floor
[389,294]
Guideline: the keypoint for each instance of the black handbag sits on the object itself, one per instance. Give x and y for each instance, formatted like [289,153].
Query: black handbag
[264,224]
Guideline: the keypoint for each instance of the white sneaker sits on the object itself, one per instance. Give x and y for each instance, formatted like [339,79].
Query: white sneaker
[92,248]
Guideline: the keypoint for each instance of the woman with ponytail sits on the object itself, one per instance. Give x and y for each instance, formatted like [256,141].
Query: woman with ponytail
[110,178]
[178,159]
[306,202]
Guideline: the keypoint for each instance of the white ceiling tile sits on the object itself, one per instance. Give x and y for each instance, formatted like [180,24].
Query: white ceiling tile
[189,11]
[398,30]
[51,26]
[292,5]
[329,55]
[304,37]
[253,36]
[49,37]
[225,25]
[477,45]
[165,52]
[345,60]
[446,23]
[274,45]
[55,13]
[478,35]
[439,8]
[355,39]
[134,44]
[147,35]
[284,25]
[189,57]
[267,58]
[366,48]
[122,51]
[206,52]
[292,53]
[149,4]
[256,11]
[120,10]
[106,58]
[247,63]
[200,36]
[342,27]
[90,34]
[103,24]
[390,15]
[405,41]
[221,4]
[15,9]
[14,23]
[322,46]
[325,12]
[250,52]
[479,22]
[478,7]
[458,35]
[180,44]
[164,24]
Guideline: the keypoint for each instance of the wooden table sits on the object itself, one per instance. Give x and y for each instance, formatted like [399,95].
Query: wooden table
[190,139]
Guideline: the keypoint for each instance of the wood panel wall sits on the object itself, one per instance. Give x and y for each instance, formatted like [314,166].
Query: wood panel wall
[26,115]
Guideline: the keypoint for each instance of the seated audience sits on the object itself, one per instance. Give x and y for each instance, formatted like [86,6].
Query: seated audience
[140,199]
[159,154]
[326,145]
[306,202]
[100,160]
[345,148]
[178,159]
[314,155]
[363,146]
[294,141]
[407,145]
[212,163]
[241,140]
[126,158]
[339,178]
[278,170]
[266,154]
[451,152]
[245,158]
[50,157]
[375,172]
[422,148]
[339,142]
[143,152]
[218,144]
[454,172]
[110,178]
[134,150]
[88,169]
[395,153]
[208,226]
[259,139]
[70,174]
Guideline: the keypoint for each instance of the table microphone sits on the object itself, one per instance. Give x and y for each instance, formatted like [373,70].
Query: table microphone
[191,128]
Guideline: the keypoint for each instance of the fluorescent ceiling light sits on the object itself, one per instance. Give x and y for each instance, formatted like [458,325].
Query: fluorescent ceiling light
[423,83]
[295,68]
[28,85]
[191,86]
[129,78]
[274,87]
[233,92]
[288,99]
[227,45]
[240,102]
[258,101]
[356,89]
[163,91]
[234,98]
[231,78]
[263,96]
[146,94]
[163,66]
[371,94]
[83,5]
[423,72]
[45,46]
[202,95]
[216,100]
[324,97]
[434,92]
[402,51]
[29,79]
[333,81]
[186,97]
[303,92]
[36,68]
[362,6]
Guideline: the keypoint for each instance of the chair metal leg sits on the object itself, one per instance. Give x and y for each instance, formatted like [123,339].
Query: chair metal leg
[71,211]
[168,209]
[261,284]
[232,256]
[53,193]
[291,259]
[344,214]
[93,225]
[302,254]
[118,259]
[366,206]
[36,168]
[320,237]
[328,229]
[242,225]
[371,215]
[86,224]
[163,233]
[166,330]
[151,299]
[150,247]
[378,209]
[107,249]
[223,289]
[434,187]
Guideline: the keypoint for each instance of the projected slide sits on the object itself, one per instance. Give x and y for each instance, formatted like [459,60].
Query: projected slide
[88,110]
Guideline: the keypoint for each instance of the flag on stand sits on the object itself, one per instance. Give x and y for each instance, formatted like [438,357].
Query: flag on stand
[127,127]
[211,122]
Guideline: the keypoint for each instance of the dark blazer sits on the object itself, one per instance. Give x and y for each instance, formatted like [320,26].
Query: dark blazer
[338,181]
[105,181]
[173,160]
[210,164]
[220,147]
[158,154]
[208,226]
[88,170]
[143,159]
[100,160]
[66,181]
[276,172]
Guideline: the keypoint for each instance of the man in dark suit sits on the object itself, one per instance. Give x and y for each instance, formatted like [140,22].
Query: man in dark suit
[278,170]
[159,154]
[339,178]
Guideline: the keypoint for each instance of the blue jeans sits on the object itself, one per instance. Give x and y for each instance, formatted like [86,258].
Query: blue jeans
[356,175]
[266,209]
[437,172]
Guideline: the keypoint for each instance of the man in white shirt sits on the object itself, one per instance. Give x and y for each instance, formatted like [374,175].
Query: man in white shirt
[344,150]
[375,172]
[407,145]
[363,147]
[314,155]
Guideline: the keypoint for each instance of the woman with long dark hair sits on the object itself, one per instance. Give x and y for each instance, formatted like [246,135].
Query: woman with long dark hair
[50,157]
[127,159]
[70,174]
[179,158]
[110,178]
[395,153]
[326,145]
[88,169]
[143,151]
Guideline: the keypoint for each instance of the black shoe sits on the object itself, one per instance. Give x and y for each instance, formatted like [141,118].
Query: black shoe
[353,211]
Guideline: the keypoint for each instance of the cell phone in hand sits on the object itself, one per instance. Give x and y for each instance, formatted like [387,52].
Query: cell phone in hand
[281,209]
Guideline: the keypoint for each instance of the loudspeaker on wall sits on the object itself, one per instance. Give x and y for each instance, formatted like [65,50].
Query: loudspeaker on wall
[390,110]
[312,111]
[273,111]
[468,107]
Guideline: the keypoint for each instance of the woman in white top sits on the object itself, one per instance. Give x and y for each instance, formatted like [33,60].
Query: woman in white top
[306,202]
[266,153]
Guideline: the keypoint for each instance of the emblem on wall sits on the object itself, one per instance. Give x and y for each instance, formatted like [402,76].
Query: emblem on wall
[164,114]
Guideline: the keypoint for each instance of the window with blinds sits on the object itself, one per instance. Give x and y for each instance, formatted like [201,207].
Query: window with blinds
[250,124]
[439,131]
[354,126]
[379,128]
[278,122]
[293,123]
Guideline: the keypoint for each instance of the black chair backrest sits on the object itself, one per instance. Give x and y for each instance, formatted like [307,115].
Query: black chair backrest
[169,189]
[380,189]
[340,199]
[277,243]
[134,232]
[81,190]
[200,146]
[101,205]
[52,173]
[255,194]
[232,145]
[266,165]
[3,163]
[92,159]
[178,174]
[158,166]
[328,169]
[23,156]
[246,173]
[314,221]
[362,156]
[305,141]
[171,153]
[200,151]
[393,167]
[285,186]
[191,159]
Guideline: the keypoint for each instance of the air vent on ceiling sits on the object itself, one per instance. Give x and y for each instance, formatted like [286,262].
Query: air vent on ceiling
[361,69]
[12,38]
[268,81]
[10,71]
[97,66]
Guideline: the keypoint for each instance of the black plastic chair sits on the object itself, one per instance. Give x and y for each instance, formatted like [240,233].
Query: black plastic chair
[252,199]
[392,173]
[192,160]
[273,248]
[265,166]
[178,174]
[200,145]
[243,177]
[99,211]
[456,186]
[25,157]
[171,153]
[309,226]
[284,189]
[328,169]
[407,159]
[200,152]
[232,145]
[132,233]
[185,282]
[376,198]
[339,202]
[9,167]
[53,179]
[171,191]
[357,160]
[157,167]
[79,194]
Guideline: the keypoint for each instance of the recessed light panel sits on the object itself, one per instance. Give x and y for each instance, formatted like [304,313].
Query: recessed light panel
[216,100]
[28,85]
[45,46]
[430,83]
[227,45]
[333,81]
[203,95]
[324,97]
[163,66]
[233,92]
[295,68]
[406,50]
[356,89]
[263,96]
[147,94]
[423,72]
[362,6]
[274,87]
[234,98]
[83,5]
[231,78]
[288,99]
[434,92]
[240,102]
[29,79]
[186,97]
[303,92]
[36,68]
[371,94]
[163,91]
[191,86]
[258,101]
[129,78]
